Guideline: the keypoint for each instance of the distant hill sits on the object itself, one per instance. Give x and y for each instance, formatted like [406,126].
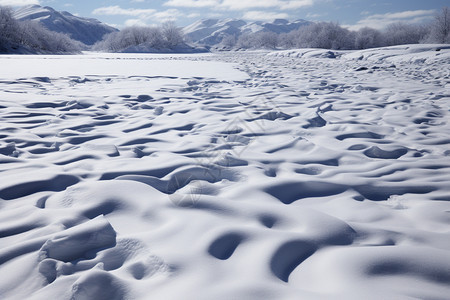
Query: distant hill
[86,30]
[210,32]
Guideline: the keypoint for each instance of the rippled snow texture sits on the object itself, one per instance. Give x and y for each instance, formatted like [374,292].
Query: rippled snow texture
[230,176]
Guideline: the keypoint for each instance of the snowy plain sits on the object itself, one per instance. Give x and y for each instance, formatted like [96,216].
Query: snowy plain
[300,174]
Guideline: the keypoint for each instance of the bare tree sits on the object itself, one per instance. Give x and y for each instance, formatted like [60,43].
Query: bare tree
[288,40]
[266,39]
[402,33]
[368,38]
[246,41]
[8,28]
[228,41]
[172,34]
[326,35]
[440,32]
[167,36]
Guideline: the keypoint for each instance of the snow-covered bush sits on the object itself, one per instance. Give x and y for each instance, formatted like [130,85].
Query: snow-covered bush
[403,33]
[130,36]
[327,35]
[246,41]
[289,40]
[172,35]
[258,40]
[168,36]
[268,40]
[9,29]
[368,38]
[440,28]
[228,42]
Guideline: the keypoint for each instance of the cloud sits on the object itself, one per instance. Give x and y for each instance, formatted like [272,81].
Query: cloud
[167,15]
[118,11]
[192,3]
[242,4]
[315,16]
[380,21]
[18,2]
[140,16]
[193,15]
[134,22]
[264,16]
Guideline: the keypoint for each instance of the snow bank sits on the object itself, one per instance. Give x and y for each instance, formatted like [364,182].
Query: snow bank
[420,53]
[405,53]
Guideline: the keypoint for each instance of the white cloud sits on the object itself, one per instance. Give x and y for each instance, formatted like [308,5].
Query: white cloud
[140,16]
[192,3]
[380,21]
[242,4]
[18,2]
[167,15]
[295,4]
[193,15]
[134,22]
[264,16]
[315,16]
[118,11]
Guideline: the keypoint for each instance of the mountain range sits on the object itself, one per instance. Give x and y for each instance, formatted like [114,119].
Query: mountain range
[86,30]
[207,32]
[211,32]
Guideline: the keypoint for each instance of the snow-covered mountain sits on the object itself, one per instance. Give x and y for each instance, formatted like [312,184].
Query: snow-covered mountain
[85,30]
[211,31]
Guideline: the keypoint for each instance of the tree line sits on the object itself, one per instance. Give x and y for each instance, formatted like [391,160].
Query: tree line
[165,37]
[330,35]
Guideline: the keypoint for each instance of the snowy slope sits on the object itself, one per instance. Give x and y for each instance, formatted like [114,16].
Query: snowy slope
[85,30]
[211,31]
[256,175]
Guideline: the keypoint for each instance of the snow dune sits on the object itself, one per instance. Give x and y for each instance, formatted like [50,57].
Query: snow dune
[286,175]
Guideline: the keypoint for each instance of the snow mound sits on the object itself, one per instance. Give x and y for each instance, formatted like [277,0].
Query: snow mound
[404,53]
[401,54]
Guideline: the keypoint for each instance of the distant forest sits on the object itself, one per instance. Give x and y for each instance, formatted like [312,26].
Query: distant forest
[31,37]
[329,35]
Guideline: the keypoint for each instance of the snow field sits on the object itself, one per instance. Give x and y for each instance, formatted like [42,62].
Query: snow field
[229,176]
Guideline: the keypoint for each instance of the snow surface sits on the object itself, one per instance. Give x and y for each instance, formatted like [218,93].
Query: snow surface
[226,176]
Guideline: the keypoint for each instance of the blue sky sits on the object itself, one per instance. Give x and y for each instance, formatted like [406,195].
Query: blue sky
[351,13]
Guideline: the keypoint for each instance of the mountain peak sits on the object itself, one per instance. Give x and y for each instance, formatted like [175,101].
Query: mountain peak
[80,29]
[280,21]
[211,32]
